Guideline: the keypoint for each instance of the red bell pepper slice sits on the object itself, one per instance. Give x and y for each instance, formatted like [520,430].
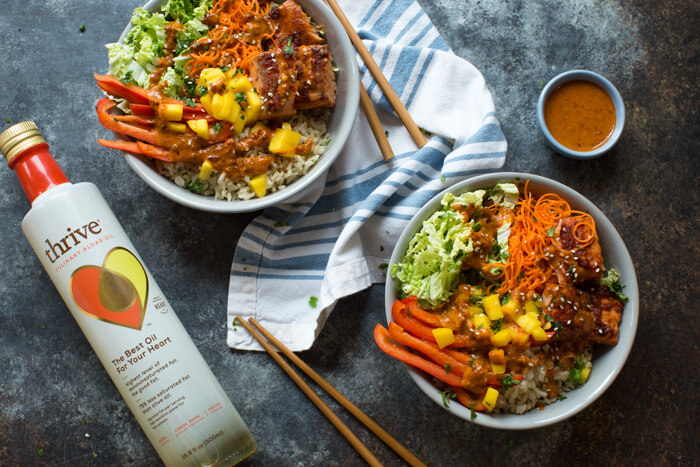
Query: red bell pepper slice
[108,121]
[417,312]
[383,340]
[142,109]
[399,311]
[130,92]
[136,147]
[138,119]
[426,348]
[466,400]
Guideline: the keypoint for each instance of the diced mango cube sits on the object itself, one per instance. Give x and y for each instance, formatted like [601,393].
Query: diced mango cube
[501,338]
[443,337]
[199,126]
[539,335]
[257,127]
[170,112]
[234,114]
[530,307]
[233,72]
[252,112]
[490,399]
[585,373]
[239,122]
[206,170]
[206,103]
[492,305]
[481,321]
[259,185]
[509,308]
[498,361]
[240,83]
[520,337]
[283,141]
[176,127]
[211,76]
[287,125]
[527,323]
[218,106]
[475,310]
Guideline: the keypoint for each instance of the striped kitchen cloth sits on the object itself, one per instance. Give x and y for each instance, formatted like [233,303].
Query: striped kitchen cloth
[295,261]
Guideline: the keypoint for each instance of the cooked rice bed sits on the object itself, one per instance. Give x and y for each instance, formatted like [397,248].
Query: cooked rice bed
[283,172]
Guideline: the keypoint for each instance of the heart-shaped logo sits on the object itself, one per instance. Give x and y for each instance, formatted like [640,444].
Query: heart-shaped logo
[116,292]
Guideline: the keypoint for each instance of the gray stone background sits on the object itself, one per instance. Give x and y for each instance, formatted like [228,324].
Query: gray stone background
[648,187]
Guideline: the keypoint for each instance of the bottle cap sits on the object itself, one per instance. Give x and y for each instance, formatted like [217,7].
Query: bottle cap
[19,137]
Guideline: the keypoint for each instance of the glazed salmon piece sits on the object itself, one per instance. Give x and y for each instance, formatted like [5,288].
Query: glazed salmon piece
[275,82]
[316,79]
[292,23]
[606,309]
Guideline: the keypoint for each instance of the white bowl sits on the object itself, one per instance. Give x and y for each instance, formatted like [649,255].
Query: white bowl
[607,361]
[339,126]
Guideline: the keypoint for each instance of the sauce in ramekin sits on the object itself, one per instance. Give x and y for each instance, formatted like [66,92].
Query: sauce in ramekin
[580,115]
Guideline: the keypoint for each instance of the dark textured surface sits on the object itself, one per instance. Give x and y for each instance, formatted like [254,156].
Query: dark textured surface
[648,187]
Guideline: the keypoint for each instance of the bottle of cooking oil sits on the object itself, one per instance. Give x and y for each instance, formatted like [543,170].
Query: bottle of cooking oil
[128,322]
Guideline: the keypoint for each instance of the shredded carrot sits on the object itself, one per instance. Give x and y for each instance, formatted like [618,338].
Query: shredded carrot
[233,40]
[527,270]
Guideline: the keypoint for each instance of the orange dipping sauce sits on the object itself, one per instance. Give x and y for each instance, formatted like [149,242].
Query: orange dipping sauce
[580,115]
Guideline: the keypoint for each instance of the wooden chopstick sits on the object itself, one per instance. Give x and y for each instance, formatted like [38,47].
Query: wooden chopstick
[375,125]
[352,408]
[333,418]
[381,80]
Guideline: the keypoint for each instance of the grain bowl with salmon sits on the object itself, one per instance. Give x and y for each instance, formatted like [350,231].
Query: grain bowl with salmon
[500,296]
[228,99]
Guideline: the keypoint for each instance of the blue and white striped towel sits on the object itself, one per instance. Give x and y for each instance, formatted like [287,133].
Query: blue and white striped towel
[334,241]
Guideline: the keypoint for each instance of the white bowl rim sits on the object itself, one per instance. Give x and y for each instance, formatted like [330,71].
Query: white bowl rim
[607,86]
[560,410]
[182,196]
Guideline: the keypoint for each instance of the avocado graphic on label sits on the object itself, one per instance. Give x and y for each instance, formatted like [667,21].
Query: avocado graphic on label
[115,292]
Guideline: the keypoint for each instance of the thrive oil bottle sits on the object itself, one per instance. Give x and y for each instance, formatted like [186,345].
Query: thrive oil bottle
[124,315]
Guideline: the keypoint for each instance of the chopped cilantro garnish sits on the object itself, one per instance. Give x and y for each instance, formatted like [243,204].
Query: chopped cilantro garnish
[82,28]
[216,128]
[94,454]
[476,299]
[242,117]
[472,417]
[447,396]
[476,226]
[575,373]
[386,132]
[442,178]
[40,451]
[542,84]
[189,101]
[381,248]
[240,97]
[497,325]
[288,49]
[313,301]
[195,186]
[128,78]
[471,363]
[383,266]
[508,382]
[82,421]
[7,120]
[505,299]
[556,325]
[201,90]
[448,367]
[235,322]
[550,231]
[281,224]
[560,397]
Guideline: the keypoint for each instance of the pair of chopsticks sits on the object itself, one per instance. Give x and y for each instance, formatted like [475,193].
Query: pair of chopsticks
[332,417]
[386,88]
